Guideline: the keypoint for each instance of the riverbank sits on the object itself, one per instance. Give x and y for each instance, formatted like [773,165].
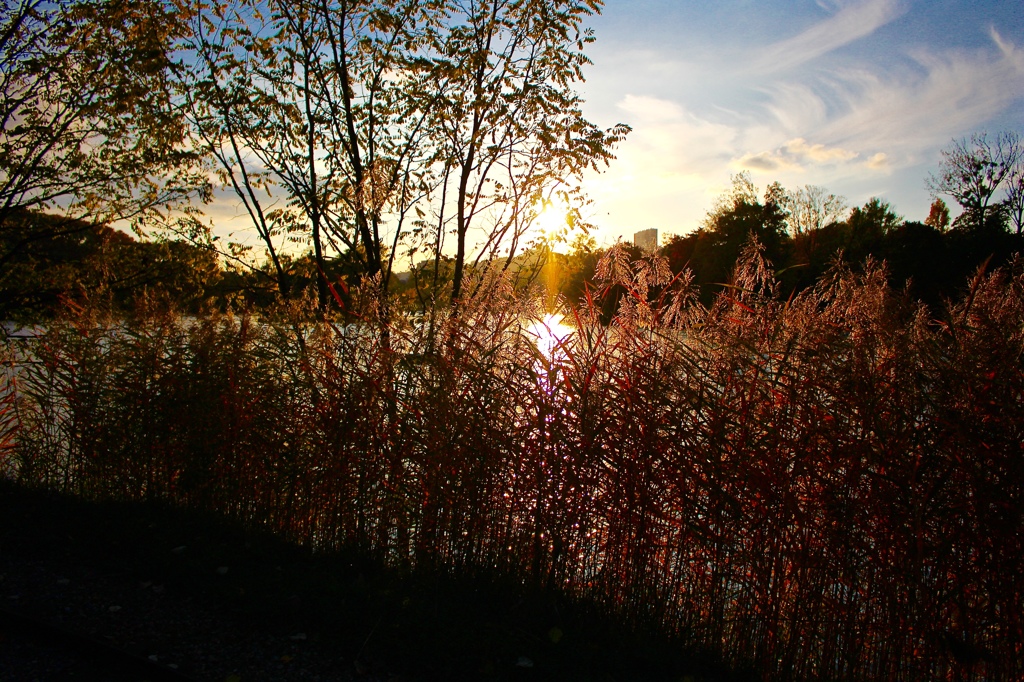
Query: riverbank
[822,488]
[218,602]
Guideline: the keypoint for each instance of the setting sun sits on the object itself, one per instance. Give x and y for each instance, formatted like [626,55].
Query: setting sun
[552,224]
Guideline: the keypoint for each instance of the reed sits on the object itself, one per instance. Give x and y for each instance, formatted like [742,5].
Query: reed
[826,487]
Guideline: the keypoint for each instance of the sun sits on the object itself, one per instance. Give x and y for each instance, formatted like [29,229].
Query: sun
[552,224]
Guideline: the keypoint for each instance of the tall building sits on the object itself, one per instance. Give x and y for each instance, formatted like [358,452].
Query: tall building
[646,239]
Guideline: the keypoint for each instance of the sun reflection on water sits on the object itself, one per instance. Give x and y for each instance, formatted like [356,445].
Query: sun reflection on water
[550,335]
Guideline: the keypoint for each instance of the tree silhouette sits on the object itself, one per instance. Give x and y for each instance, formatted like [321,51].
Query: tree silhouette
[973,170]
[390,123]
[88,126]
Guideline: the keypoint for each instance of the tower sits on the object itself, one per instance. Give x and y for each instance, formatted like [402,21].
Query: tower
[646,239]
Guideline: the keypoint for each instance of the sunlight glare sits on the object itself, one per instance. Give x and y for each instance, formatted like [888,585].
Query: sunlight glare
[551,224]
[549,334]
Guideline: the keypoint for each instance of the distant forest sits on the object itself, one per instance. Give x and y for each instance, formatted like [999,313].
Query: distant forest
[932,261]
[806,233]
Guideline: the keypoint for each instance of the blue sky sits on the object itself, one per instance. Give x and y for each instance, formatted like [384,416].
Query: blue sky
[858,96]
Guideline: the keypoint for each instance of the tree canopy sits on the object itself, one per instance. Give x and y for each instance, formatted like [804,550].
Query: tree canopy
[89,129]
[973,170]
[388,125]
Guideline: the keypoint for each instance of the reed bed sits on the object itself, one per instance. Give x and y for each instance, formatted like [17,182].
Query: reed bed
[825,488]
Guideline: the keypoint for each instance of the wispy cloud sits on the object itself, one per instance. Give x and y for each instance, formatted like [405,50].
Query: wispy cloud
[909,112]
[871,124]
[850,23]
[902,112]
[668,139]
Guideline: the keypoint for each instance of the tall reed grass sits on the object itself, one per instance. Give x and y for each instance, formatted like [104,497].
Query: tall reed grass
[827,487]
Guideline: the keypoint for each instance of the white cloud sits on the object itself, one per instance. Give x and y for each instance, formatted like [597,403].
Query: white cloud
[879,161]
[818,153]
[668,139]
[794,155]
[850,23]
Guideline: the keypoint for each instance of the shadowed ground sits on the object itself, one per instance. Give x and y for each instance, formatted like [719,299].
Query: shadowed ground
[121,592]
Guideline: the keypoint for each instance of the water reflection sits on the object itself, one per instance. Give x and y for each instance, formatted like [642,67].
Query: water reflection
[550,335]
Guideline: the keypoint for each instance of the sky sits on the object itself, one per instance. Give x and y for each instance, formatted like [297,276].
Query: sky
[857,96]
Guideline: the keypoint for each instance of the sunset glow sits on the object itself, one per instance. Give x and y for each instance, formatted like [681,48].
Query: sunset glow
[701,320]
[550,221]
[858,96]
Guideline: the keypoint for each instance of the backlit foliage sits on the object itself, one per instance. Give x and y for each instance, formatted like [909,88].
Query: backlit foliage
[827,487]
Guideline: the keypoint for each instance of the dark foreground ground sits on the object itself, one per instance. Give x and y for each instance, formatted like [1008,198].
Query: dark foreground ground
[124,592]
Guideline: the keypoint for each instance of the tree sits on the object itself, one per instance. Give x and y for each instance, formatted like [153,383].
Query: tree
[88,133]
[938,215]
[212,79]
[88,130]
[728,227]
[98,262]
[1015,194]
[919,259]
[973,169]
[579,267]
[872,221]
[300,100]
[812,208]
[380,123]
[510,121]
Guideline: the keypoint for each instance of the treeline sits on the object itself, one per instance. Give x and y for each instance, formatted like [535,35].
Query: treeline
[931,261]
[806,231]
[49,263]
